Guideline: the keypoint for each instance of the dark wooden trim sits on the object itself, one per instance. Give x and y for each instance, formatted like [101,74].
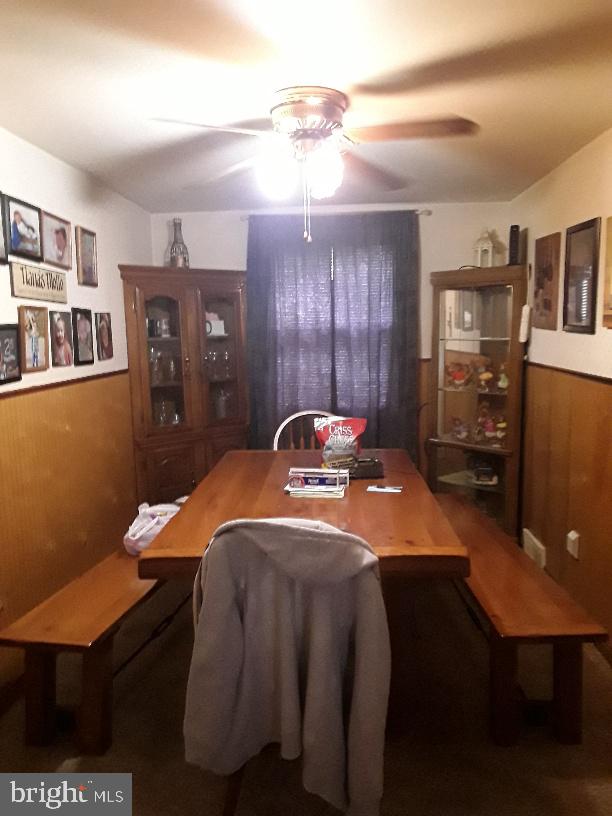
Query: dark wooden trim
[46,386]
[585,375]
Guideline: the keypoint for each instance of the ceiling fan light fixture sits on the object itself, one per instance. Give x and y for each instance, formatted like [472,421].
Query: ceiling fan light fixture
[277,171]
[324,169]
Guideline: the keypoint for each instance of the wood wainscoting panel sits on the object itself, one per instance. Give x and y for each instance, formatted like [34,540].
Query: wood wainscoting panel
[567,480]
[68,488]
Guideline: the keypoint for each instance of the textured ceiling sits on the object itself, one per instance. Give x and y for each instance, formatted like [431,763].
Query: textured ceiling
[86,80]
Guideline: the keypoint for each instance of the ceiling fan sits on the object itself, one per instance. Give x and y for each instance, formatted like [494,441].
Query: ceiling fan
[310,140]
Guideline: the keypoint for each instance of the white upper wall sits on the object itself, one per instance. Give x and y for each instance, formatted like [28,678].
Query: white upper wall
[578,190]
[218,240]
[123,232]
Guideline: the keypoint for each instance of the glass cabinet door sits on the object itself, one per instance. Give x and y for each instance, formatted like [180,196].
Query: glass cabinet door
[222,365]
[474,366]
[475,394]
[168,404]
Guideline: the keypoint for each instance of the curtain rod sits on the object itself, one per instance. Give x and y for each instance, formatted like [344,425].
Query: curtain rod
[418,212]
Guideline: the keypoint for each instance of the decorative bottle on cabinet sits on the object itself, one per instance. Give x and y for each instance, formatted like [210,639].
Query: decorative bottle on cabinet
[179,254]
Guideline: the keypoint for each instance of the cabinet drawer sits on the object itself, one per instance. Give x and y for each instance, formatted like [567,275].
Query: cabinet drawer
[218,444]
[171,472]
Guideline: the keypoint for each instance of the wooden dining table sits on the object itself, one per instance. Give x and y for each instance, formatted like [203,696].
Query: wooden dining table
[407,530]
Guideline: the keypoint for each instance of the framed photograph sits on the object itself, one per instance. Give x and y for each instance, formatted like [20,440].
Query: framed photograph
[60,326]
[104,335]
[82,337]
[33,338]
[56,240]
[546,281]
[3,233]
[87,262]
[10,368]
[22,228]
[581,262]
[607,309]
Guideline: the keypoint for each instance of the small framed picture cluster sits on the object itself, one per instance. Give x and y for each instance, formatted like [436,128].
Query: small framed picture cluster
[44,337]
[31,233]
[580,279]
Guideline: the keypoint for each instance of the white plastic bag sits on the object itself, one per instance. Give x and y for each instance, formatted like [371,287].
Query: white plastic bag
[146,525]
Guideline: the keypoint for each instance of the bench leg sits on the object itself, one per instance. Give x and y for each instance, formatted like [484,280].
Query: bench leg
[39,696]
[567,692]
[95,724]
[504,699]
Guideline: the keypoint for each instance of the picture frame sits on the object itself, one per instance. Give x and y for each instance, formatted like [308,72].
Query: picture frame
[3,234]
[56,235]
[10,360]
[547,264]
[581,268]
[60,329]
[33,338]
[104,336]
[86,254]
[22,228]
[607,307]
[82,337]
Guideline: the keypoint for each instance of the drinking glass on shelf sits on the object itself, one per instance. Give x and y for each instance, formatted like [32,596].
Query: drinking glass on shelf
[212,363]
[226,366]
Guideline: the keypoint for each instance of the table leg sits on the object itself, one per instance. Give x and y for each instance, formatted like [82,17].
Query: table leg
[504,698]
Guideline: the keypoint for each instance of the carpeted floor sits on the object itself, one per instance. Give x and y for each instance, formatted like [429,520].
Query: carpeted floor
[442,764]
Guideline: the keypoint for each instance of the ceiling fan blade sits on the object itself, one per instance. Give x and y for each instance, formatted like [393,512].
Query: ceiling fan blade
[241,131]
[372,173]
[202,28]
[425,129]
[232,170]
[559,45]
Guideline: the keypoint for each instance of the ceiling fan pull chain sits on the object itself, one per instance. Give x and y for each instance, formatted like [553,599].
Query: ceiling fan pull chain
[306,199]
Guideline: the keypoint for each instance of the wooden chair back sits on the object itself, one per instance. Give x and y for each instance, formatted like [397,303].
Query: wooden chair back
[297,431]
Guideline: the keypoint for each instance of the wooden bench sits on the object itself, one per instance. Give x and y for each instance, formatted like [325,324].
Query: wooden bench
[522,604]
[81,617]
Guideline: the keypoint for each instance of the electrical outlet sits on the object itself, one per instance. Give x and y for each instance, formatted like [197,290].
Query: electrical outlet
[572,543]
[534,548]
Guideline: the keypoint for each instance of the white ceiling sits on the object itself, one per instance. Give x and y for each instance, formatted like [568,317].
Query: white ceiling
[85,79]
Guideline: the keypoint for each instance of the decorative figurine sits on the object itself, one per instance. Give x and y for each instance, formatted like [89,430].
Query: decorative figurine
[502,381]
[485,375]
[458,375]
[481,419]
[460,429]
[484,474]
[490,428]
[501,427]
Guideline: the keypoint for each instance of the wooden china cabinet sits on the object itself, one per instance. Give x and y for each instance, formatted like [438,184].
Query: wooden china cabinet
[476,387]
[186,340]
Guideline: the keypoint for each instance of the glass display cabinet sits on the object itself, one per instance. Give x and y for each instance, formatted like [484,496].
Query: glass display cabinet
[477,368]
[185,334]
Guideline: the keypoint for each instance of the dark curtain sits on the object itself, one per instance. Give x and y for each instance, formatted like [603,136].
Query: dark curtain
[334,324]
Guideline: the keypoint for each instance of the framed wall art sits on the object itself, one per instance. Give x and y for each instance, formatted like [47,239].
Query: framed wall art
[104,335]
[33,338]
[56,240]
[546,281]
[82,337]
[10,368]
[87,262]
[581,264]
[3,234]
[22,228]
[607,309]
[60,324]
